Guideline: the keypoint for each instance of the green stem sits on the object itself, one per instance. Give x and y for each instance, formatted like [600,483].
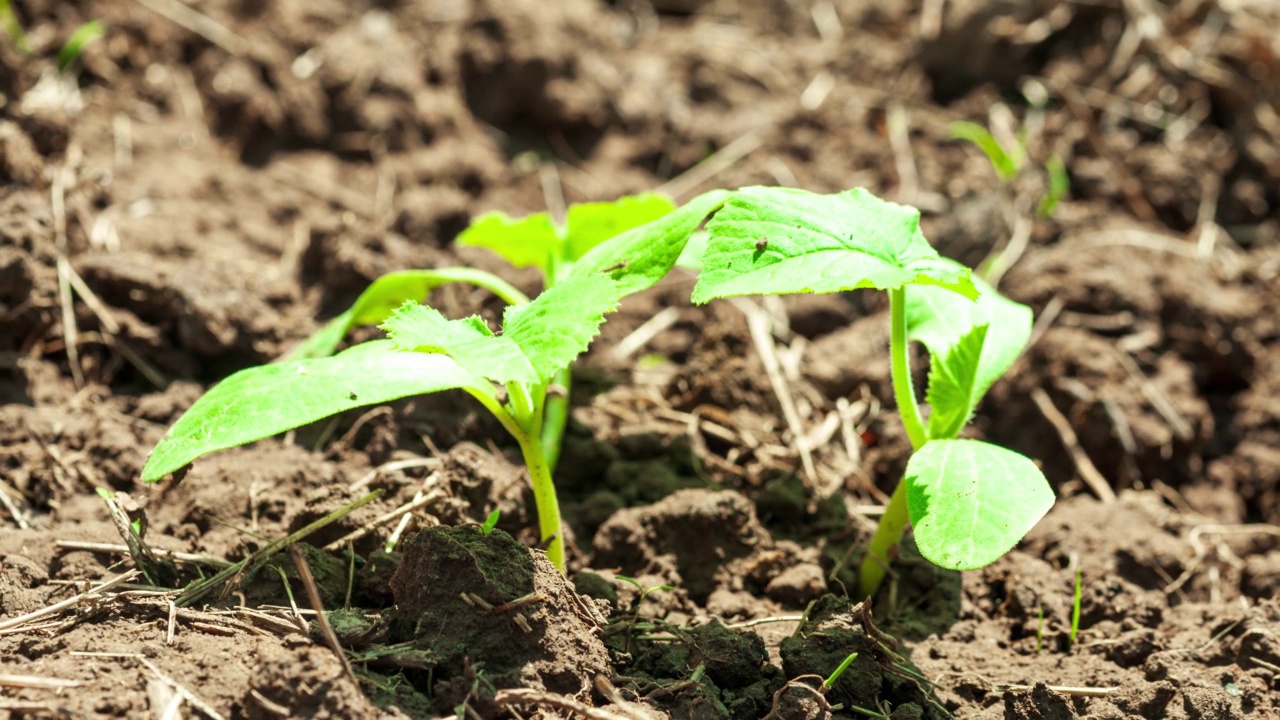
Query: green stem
[544,497]
[894,521]
[555,416]
[903,390]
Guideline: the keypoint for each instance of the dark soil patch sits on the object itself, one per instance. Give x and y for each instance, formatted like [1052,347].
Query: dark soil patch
[186,203]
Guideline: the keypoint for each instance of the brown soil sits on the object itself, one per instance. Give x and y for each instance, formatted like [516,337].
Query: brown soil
[194,198]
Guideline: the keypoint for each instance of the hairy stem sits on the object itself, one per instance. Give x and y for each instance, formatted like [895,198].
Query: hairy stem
[894,521]
[555,416]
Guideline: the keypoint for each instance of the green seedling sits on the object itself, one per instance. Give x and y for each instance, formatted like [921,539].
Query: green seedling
[969,501]
[537,241]
[1039,628]
[1075,611]
[635,616]
[490,522]
[1009,159]
[13,28]
[835,675]
[509,372]
[75,45]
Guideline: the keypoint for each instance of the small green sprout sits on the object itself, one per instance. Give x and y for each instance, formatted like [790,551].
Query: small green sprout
[1039,628]
[490,522]
[1075,610]
[599,260]
[13,28]
[75,45]
[969,501]
[635,616]
[1009,160]
[835,675]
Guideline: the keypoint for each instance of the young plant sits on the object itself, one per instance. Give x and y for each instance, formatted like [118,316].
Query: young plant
[510,373]
[969,501]
[83,35]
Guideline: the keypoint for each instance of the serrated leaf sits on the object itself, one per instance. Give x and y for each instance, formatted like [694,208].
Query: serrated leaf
[589,224]
[953,385]
[560,323]
[418,328]
[269,399]
[970,502]
[782,240]
[389,292]
[642,256]
[530,241]
[941,320]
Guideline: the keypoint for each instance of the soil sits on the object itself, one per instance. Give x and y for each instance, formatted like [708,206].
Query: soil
[208,182]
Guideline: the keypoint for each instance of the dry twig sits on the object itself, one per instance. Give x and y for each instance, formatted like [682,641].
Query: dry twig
[1088,471]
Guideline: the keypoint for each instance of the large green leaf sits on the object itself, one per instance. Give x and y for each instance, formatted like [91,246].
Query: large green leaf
[964,362]
[389,292]
[782,240]
[642,256]
[970,502]
[589,224]
[560,323]
[269,399]
[416,327]
[532,240]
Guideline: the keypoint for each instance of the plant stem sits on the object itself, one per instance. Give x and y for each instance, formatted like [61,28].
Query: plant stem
[894,521]
[555,416]
[900,364]
[544,497]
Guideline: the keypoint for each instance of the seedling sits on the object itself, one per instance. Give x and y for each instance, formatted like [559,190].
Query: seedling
[635,616]
[835,674]
[490,522]
[509,373]
[83,35]
[1075,611]
[969,501]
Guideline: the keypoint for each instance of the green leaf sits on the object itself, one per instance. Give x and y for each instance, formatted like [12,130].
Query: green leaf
[642,256]
[953,391]
[959,376]
[970,502]
[561,322]
[418,328]
[782,240]
[388,293]
[532,240]
[269,399]
[589,224]
[83,35]
[1006,163]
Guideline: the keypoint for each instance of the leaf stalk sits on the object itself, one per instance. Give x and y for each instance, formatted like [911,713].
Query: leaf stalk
[893,523]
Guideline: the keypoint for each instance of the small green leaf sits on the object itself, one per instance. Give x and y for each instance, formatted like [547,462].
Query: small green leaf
[418,328]
[953,391]
[1006,163]
[388,293]
[589,224]
[269,399]
[531,241]
[970,502]
[1059,185]
[491,522]
[560,323]
[958,378]
[782,240]
[642,256]
[83,35]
